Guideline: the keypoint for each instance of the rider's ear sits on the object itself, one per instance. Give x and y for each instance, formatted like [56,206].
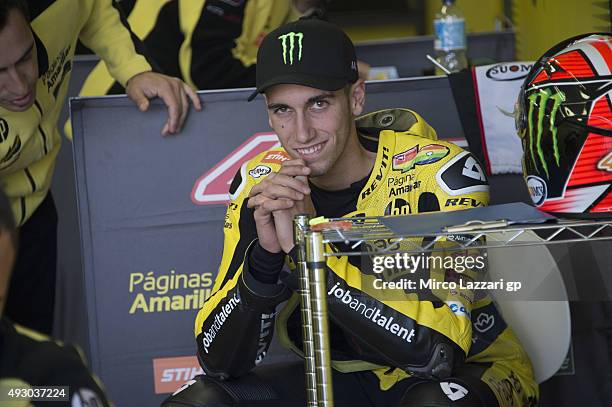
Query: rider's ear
[357,97]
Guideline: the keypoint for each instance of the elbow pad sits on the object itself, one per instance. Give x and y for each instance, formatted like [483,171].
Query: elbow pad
[442,362]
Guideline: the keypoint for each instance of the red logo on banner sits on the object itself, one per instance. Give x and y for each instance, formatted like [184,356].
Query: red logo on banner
[171,373]
[213,186]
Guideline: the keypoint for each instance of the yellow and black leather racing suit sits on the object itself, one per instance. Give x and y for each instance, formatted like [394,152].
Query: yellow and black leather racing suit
[398,337]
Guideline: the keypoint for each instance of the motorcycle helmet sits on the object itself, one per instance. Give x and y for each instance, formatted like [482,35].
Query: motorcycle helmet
[564,119]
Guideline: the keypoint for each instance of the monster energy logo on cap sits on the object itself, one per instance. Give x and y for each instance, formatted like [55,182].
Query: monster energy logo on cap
[541,99]
[282,59]
[290,37]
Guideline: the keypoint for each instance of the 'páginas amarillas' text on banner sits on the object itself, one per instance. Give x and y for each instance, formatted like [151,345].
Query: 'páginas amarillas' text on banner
[172,291]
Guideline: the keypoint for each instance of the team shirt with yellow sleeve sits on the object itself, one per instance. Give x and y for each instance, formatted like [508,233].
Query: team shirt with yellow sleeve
[210,44]
[30,140]
[423,333]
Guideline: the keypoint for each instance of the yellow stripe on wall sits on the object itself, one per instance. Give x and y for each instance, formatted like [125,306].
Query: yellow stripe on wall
[540,24]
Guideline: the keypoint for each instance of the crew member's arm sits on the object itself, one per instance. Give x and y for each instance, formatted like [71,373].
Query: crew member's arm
[105,34]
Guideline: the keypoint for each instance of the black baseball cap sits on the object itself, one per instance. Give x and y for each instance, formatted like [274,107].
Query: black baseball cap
[309,52]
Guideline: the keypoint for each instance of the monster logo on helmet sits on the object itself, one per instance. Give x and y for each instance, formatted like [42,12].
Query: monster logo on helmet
[541,98]
[565,123]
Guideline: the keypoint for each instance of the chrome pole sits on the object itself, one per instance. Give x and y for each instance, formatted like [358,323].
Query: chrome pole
[300,225]
[315,264]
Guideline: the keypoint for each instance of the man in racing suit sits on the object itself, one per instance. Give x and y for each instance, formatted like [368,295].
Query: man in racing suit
[404,349]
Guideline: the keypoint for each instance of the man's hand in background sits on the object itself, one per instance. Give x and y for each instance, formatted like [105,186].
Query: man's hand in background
[173,91]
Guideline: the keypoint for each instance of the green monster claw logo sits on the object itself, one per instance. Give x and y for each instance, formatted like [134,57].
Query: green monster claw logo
[291,36]
[540,99]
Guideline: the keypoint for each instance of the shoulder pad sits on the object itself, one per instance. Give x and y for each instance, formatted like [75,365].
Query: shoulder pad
[398,120]
[462,174]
